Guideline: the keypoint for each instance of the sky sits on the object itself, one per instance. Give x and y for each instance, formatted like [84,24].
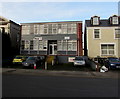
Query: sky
[28,12]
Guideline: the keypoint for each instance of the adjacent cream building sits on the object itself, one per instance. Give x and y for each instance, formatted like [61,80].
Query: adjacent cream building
[102,37]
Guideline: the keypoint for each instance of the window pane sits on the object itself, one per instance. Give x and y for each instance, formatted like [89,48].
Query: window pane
[74,46]
[107,49]
[95,21]
[117,33]
[35,46]
[50,28]
[74,30]
[45,31]
[115,20]
[111,52]
[59,45]
[117,36]
[103,46]
[111,47]
[22,44]
[59,31]
[31,44]
[104,52]
[41,29]
[70,46]
[96,36]
[54,25]
[27,44]
[54,31]
[64,45]
[96,33]
[59,26]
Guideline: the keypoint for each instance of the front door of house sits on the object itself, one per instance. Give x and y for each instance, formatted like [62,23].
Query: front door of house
[53,49]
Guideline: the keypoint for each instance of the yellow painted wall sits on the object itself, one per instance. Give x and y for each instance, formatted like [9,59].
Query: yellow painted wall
[107,36]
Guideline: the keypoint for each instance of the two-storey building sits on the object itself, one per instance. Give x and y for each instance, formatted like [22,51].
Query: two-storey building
[63,39]
[102,37]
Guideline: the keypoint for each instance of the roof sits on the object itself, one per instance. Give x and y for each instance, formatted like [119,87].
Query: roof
[4,21]
[103,23]
[53,22]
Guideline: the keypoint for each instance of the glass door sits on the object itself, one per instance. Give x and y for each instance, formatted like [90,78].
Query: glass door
[52,49]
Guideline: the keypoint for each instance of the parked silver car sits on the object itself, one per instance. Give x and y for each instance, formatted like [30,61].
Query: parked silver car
[79,61]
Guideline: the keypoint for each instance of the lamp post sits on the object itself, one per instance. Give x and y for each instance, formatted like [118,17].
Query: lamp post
[67,38]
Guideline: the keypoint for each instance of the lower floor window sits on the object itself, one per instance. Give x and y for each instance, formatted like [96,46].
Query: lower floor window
[40,45]
[36,44]
[25,45]
[70,45]
[107,49]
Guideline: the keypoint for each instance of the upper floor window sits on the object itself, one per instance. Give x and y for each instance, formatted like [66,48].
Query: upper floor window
[95,20]
[26,29]
[96,33]
[115,20]
[36,29]
[117,33]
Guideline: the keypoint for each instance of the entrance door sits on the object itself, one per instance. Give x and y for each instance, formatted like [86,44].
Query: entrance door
[52,49]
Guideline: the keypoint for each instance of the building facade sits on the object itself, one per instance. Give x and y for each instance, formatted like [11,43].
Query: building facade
[11,30]
[52,38]
[102,37]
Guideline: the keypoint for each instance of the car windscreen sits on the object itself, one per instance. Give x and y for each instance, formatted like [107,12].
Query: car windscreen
[79,58]
[114,60]
[18,57]
[31,58]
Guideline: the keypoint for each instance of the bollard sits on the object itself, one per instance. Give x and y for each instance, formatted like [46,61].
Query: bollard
[34,66]
[96,67]
[45,65]
[52,62]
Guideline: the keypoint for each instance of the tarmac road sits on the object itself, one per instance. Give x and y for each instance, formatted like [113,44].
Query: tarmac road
[43,83]
[16,85]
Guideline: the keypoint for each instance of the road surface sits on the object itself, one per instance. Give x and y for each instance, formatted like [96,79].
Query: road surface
[16,85]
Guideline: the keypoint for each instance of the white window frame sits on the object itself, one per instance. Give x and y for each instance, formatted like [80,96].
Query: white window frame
[25,29]
[45,28]
[108,44]
[115,33]
[99,33]
[95,21]
[36,29]
[74,26]
[28,44]
[67,41]
[41,29]
[115,21]
[54,28]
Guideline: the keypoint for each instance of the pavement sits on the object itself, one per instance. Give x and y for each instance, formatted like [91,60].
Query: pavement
[39,72]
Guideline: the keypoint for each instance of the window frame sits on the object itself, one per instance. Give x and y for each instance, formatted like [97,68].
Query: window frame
[28,44]
[97,21]
[115,21]
[107,49]
[25,29]
[67,42]
[94,33]
[117,33]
